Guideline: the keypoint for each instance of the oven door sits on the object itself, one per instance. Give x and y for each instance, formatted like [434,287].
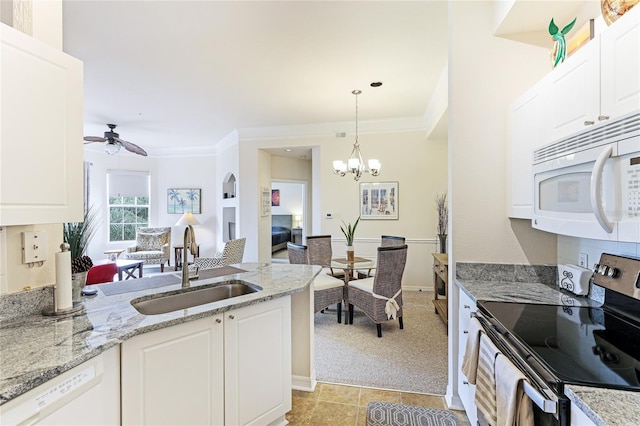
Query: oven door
[549,408]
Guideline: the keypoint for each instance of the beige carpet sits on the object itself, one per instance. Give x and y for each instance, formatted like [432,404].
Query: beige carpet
[412,360]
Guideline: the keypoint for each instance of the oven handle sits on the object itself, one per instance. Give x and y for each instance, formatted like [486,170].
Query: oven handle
[596,190]
[538,396]
[545,404]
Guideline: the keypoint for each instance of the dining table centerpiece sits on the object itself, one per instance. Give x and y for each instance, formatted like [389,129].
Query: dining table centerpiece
[349,232]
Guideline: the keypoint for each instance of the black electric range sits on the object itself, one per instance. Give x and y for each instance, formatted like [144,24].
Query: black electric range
[558,345]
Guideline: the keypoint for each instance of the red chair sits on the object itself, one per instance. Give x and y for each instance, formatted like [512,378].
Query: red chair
[102,273]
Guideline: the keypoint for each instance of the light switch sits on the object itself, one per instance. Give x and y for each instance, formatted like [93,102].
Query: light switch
[34,247]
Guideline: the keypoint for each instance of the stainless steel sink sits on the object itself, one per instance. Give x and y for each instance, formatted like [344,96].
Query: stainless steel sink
[194,296]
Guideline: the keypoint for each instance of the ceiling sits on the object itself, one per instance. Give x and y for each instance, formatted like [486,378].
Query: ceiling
[183,75]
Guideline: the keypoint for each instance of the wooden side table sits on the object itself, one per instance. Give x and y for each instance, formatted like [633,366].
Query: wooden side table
[177,255]
[440,280]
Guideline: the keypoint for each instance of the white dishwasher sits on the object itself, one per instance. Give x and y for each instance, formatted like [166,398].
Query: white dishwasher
[88,394]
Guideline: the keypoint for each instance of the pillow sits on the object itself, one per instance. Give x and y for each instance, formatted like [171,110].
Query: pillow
[279,229]
[150,241]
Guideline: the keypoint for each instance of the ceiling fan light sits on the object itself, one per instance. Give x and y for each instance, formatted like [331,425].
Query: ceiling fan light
[112,148]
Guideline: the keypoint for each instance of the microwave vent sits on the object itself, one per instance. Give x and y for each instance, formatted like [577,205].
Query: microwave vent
[623,128]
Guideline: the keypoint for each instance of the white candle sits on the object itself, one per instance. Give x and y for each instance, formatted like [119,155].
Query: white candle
[63,287]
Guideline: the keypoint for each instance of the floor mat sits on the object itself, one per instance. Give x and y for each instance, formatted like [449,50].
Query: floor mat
[391,414]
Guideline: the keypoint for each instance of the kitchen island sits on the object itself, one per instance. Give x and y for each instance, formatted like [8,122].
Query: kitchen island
[35,348]
[596,405]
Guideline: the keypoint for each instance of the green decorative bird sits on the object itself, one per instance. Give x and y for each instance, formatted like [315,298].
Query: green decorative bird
[561,43]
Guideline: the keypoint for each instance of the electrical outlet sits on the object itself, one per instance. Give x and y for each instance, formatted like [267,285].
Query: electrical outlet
[582,260]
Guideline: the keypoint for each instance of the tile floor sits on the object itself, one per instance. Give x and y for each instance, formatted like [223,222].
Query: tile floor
[341,405]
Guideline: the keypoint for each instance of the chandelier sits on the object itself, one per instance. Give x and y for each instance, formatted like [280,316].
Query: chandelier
[355,165]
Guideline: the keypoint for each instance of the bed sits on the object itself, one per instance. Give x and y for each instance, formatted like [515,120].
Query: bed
[280,232]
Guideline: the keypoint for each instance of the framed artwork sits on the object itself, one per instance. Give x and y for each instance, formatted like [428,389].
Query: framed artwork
[184,200]
[265,201]
[379,200]
[275,197]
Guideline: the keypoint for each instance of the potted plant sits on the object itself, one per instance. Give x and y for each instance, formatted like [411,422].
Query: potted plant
[78,235]
[443,219]
[349,231]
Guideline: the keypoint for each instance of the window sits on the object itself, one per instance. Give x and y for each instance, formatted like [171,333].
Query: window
[128,203]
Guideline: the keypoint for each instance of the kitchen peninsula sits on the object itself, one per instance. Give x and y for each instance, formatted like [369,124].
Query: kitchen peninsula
[35,349]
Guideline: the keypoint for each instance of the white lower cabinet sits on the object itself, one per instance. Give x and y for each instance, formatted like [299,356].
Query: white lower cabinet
[466,390]
[228,369]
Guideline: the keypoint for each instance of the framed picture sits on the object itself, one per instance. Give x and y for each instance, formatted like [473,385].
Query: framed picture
[275,197]
[265,201]
[379,200]
[184,200]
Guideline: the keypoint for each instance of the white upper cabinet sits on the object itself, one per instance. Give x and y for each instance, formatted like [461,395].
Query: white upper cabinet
[599,82]
[620,66]
[573,92]
[526,132]
[40,132]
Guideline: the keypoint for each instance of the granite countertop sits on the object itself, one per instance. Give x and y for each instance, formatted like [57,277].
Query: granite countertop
[35,348]
[602,406]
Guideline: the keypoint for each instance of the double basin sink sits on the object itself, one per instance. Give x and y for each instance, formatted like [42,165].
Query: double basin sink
[193,296]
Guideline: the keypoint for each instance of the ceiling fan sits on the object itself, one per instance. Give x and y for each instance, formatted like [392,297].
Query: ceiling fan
[114,143]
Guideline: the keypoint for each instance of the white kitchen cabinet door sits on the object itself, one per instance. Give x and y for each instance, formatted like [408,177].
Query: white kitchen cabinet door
[527,131]
[466,390]
[175,376]
[620,66]
[258,363]
[573,93]
[41,123]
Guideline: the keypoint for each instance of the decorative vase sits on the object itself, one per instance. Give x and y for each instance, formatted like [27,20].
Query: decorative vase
[443,243]
[78,281]
[613,9]
[350,253]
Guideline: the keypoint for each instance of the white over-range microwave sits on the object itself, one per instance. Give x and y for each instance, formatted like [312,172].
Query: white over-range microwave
[588,185]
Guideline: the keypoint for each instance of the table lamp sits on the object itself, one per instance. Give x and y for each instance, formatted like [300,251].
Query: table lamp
[298,219]
[187,219]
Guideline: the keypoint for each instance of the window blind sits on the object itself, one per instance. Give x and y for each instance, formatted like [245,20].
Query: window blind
[127,183]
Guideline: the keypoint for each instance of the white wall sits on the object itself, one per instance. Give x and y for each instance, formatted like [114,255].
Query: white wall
[165,173]
[569,249]
[291,198]
[418,165]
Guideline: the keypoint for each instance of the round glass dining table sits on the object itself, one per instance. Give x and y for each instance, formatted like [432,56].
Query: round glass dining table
[360,264]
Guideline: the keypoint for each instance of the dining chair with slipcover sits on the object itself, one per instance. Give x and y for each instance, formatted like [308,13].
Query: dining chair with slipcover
[327,290]
[319,252]
[380,296]
[385,241]
[232,253]
[152,246]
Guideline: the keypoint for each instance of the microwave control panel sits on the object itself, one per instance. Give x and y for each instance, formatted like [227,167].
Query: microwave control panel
[631,173]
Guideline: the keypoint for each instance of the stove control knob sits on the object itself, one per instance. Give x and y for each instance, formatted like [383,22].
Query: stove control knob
[596,267]
[613,272]
[602,269]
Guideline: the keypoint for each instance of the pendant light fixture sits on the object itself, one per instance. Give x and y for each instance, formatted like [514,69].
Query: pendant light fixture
[355,165]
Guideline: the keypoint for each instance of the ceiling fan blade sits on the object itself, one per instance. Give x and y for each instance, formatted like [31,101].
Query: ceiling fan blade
[132,147]
[90,139]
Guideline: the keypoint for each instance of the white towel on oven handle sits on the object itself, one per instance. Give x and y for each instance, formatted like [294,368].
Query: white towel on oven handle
[470,359]
[513,405]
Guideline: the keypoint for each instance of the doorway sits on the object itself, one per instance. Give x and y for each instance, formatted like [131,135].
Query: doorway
[288,212]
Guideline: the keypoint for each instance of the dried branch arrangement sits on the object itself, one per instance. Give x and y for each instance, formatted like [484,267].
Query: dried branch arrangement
[443,213]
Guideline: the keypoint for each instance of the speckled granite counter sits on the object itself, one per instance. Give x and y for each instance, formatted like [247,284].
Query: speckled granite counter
[35,348]
[537,284]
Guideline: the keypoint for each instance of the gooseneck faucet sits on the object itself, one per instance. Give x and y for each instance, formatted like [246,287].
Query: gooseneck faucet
[189,243]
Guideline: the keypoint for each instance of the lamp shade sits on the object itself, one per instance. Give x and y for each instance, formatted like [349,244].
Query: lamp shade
[187,219]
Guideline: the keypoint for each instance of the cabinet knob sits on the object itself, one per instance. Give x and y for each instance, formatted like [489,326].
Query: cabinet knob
[603,117]
[231,317]
[464,382]
[589,123]
[467,307]
[218,320]
[466,331]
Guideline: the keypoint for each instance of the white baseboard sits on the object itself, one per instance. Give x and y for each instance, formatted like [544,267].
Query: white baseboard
[303,383]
